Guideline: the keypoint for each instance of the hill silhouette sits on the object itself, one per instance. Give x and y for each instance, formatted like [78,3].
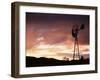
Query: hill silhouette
[42,61]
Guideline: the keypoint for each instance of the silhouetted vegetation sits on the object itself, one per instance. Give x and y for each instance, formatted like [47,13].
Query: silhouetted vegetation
[42,61]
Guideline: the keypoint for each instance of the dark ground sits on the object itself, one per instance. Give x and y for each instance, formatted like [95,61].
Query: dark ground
[42,61]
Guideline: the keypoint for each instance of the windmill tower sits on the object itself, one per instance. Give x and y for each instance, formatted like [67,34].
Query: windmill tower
[75,33]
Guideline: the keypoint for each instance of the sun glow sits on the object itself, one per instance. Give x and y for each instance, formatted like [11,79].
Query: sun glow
[55,51]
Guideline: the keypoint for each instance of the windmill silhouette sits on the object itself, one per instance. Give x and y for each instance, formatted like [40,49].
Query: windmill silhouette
[75,33]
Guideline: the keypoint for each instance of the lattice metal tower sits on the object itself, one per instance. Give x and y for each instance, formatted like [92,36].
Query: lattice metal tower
[75,33]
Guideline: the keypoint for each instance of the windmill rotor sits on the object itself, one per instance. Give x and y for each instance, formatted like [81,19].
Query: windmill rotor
[75,31]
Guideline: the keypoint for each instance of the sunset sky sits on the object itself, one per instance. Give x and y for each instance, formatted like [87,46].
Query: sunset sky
[49,35]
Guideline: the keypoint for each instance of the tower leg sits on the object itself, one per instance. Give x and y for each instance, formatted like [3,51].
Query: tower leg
[78,49]
[74,50]
[77,52]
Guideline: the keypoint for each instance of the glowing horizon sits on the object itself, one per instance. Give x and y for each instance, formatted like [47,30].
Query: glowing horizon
[55,51]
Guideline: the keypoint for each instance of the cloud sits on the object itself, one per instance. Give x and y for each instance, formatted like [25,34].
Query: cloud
[85,49]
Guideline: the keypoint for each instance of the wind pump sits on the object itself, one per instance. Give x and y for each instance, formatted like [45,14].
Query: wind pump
[75,32]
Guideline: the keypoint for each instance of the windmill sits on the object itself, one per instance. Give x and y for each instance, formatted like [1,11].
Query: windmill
[75,33]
